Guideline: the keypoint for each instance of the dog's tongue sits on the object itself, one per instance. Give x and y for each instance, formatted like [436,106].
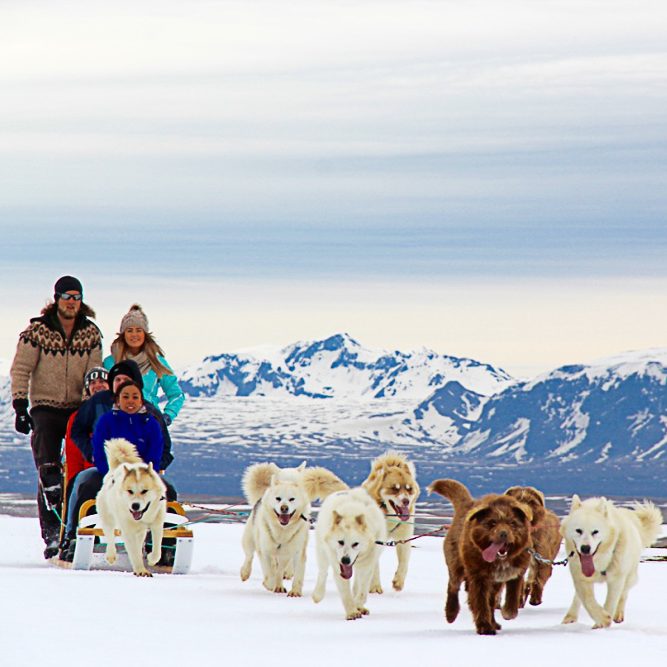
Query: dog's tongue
[404,512]
[284,519]
[136,515]
[587,565]
[489,554]
[346,571]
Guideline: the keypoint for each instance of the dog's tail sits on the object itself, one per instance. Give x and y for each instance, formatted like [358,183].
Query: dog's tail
[257,479]
[320,483]
[120,450]
[650,522]
[456,492]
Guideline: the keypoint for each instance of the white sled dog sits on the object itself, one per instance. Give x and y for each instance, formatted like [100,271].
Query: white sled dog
[392,483]
[349,525]
[604,543]
[133,498]
[277,528]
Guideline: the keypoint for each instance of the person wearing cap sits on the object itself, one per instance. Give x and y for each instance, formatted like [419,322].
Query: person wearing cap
[53,355]
[135,342]
[73,460]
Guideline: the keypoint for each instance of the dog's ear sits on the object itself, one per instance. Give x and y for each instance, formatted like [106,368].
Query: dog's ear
[478,513]
[301,467]
[523,512]
[576,502]
[361,520]
[150,466]
[374,481]
[337,518]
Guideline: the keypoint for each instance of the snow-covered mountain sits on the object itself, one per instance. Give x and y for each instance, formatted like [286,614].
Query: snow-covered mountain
[614,409]
[338,367]
[597,428]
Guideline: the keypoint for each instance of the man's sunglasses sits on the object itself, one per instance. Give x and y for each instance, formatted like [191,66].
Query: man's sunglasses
[67,297]
[97,375]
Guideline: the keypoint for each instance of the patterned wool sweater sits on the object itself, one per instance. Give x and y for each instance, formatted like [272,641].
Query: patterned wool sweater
[48,368]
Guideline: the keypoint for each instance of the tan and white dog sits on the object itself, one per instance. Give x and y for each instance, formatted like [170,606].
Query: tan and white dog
[392,483]
[604,544]
[133,499]
[277,528]
[349,527]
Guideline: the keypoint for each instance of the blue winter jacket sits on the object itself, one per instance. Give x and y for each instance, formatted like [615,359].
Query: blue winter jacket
[169,384]
[98,405]
[141,429]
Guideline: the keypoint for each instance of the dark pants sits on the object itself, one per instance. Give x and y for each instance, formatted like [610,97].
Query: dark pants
[47,438]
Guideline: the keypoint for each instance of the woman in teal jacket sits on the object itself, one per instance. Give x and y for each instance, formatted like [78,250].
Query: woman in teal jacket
[134,341]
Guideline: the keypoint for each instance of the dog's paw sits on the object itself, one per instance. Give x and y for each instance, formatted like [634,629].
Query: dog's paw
[280,589]
[143,573]
[619,618]
[111,556]
[398,583]
[603,622]
[569,618]
[353,615]
[363,611]
[153,557]
[295,593]
[245,573]
[487,629]
[509,614]
[376,588]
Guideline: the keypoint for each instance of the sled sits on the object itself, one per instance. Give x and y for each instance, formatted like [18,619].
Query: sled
[91,541]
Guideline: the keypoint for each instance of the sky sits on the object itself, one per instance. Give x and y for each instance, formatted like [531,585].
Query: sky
[210,612]
[483,179]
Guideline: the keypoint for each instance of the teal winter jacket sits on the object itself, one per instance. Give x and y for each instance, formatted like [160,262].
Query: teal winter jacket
[168,383]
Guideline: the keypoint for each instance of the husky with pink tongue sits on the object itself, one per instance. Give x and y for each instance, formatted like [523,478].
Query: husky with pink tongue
[604,544]
[350,527]
[277,529]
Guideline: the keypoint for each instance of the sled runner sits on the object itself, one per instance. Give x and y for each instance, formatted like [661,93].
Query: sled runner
[88,553]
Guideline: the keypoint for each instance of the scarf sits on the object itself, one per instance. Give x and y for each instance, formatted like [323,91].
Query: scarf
[141,358]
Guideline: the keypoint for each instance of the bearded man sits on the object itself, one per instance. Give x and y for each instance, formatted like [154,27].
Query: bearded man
[52,358]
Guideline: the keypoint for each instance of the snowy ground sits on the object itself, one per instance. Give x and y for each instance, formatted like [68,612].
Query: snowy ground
[209,617]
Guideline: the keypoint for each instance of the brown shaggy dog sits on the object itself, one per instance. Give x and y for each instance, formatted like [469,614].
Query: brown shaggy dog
[392,483]
[545,528]
[486,546]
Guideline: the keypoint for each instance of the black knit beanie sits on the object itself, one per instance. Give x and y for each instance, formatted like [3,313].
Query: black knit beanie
[126,367]
[67,284]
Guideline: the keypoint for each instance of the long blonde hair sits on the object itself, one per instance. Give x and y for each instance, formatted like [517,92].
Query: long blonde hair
[121,351]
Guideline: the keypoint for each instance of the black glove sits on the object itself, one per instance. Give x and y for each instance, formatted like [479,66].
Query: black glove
[167,419]
[23,423]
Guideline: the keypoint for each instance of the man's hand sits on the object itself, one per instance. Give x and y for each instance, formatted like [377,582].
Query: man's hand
[23,423]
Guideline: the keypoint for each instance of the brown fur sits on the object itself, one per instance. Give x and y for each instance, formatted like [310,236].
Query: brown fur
[545,528]
[478,524]
[392,483]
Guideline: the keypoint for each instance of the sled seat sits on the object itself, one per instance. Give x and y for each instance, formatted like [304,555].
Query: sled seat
[88,529]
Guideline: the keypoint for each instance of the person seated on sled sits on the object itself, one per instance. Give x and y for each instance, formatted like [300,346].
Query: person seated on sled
[91,411]
[109,424]
[96,379]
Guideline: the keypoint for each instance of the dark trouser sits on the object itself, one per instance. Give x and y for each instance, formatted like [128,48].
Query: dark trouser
[48,434]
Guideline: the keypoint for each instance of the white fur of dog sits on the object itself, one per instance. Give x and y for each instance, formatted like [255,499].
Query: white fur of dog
[604,544]
[349,525]
[392,483]
[133,500]
[277,528]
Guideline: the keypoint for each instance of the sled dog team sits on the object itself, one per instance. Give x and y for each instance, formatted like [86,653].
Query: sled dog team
[500,547]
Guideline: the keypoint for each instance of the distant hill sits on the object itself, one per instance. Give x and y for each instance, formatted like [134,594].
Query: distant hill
[338,367]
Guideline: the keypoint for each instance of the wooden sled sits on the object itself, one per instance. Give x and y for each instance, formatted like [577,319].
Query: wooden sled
[85,553]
